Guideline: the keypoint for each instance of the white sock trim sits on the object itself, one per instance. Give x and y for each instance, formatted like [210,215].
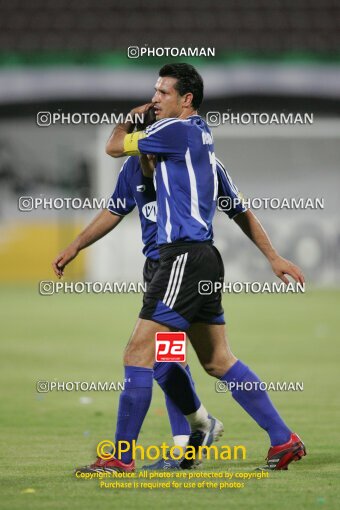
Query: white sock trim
[199,419]
[181,440]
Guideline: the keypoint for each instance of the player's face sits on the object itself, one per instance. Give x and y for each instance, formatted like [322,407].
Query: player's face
[167,101]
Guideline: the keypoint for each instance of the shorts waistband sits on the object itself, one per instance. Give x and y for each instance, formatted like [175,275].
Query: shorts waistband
[165,249]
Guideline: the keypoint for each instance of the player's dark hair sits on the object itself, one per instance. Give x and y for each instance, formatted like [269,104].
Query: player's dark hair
[188,80]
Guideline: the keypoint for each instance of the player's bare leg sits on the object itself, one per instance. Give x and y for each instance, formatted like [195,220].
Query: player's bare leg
[175,381]
[135,399]
[140,349]
[140,352]
[213,350]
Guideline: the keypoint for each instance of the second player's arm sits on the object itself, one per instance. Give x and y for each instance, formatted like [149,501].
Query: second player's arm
[101,225]
[252,227]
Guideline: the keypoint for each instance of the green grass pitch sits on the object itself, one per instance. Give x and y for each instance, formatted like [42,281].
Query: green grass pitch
[81,337]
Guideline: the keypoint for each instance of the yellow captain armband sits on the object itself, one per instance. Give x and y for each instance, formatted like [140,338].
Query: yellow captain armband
[131,143]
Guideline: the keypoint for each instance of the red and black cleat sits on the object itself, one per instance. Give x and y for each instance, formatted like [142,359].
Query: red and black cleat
[281,455]
[106,466]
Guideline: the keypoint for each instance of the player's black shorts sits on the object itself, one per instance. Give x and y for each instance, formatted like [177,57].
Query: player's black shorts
[149,270]
[174,296]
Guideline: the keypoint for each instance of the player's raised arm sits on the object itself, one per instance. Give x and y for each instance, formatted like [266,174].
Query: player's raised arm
[252,227]
[119,144]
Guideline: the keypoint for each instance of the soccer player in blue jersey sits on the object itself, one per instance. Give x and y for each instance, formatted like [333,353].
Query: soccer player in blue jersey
[183,160]
[134,189]
[178,95]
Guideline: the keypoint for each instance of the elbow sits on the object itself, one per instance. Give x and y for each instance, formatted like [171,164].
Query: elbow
[112,151]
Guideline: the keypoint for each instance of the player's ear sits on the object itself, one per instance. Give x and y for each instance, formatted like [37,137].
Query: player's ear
[187,100]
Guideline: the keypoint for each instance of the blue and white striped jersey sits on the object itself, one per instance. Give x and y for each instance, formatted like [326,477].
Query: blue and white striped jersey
[133,188]
[185,178]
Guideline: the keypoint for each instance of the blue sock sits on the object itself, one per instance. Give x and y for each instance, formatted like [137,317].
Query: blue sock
[257,403]
[187,368]
[177,384]
[178,422]
[134,403]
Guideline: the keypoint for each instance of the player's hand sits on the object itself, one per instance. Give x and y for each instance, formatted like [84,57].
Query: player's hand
[64,258]
[282,267]
[139,110]
[148,164]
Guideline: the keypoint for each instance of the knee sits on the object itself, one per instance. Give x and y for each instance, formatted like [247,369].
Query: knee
[136,357]
[128,359]
[214,369]
[132,358]
[218,368]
